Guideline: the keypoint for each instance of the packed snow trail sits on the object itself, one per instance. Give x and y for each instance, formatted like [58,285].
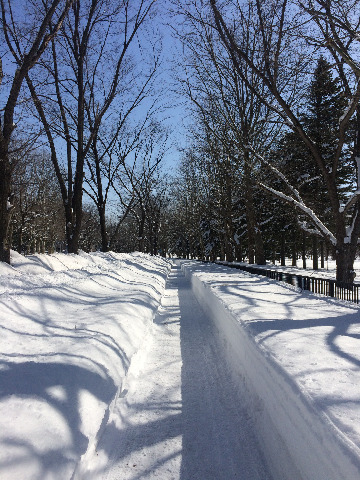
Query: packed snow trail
[178,416]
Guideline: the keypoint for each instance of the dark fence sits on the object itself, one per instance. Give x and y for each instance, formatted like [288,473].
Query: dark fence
[324,286]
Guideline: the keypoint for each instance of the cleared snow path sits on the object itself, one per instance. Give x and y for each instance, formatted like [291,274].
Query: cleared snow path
[178,416]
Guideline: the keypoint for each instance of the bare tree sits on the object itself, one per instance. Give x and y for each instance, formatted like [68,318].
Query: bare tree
[319,26]
[137,183]
[26,47]
[37,220]
[108,155]
[88,70]
[232,114]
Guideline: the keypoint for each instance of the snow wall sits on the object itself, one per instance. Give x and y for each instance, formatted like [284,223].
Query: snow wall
[298,442]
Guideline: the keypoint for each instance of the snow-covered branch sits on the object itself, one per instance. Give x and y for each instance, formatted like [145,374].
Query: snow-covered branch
[350,108]
[350,229]
[277,172]
[301,206]
[311,231]
[353,199]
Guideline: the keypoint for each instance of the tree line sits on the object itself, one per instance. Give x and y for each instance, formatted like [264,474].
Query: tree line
[73,75]
[275,85]
[272,164]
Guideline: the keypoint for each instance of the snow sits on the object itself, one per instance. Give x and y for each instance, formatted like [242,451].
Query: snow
[298,355]
[108,373]
[347,110]
[350,201]
[299,204]
[181,417]
[70,325]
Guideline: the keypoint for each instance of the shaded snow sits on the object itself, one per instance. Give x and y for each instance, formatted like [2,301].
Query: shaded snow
[70,325]
[76,329]
[179,417]
[304,372]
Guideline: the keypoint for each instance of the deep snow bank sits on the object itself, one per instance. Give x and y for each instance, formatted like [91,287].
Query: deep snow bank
[302,383]
[70,327]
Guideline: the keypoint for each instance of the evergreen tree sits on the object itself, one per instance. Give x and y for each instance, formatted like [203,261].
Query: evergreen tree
[325,105]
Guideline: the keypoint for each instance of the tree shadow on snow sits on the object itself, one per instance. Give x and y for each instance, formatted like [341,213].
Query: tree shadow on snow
[218,439]
[119,443]
[35,381]
[245,298]
[339,328]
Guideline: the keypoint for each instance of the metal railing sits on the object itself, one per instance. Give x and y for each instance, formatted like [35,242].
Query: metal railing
[323,286]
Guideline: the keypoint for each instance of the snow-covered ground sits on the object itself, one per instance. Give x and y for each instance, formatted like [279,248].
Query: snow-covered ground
[329,270]
[97,382]
[70,326]
[299,356]
[180,417]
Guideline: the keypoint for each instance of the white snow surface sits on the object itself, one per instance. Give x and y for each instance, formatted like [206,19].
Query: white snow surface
[108,373]
[70,326]
[299,356]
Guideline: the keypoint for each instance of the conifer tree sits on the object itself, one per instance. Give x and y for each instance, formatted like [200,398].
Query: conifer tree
[324,107]
[281,68]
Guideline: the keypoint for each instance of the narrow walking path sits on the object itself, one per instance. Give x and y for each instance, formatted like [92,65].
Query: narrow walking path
[181,417]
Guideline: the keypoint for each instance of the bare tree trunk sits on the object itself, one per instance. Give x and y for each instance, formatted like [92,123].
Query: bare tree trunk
[272,38]
[322,256]
[294,249]
[345,264]
[255,241]
[25,60]
[229,228]
[282,250]
[303,254]
[5,211]
[103,230]
[141,232]
[315,253]
[238,250]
